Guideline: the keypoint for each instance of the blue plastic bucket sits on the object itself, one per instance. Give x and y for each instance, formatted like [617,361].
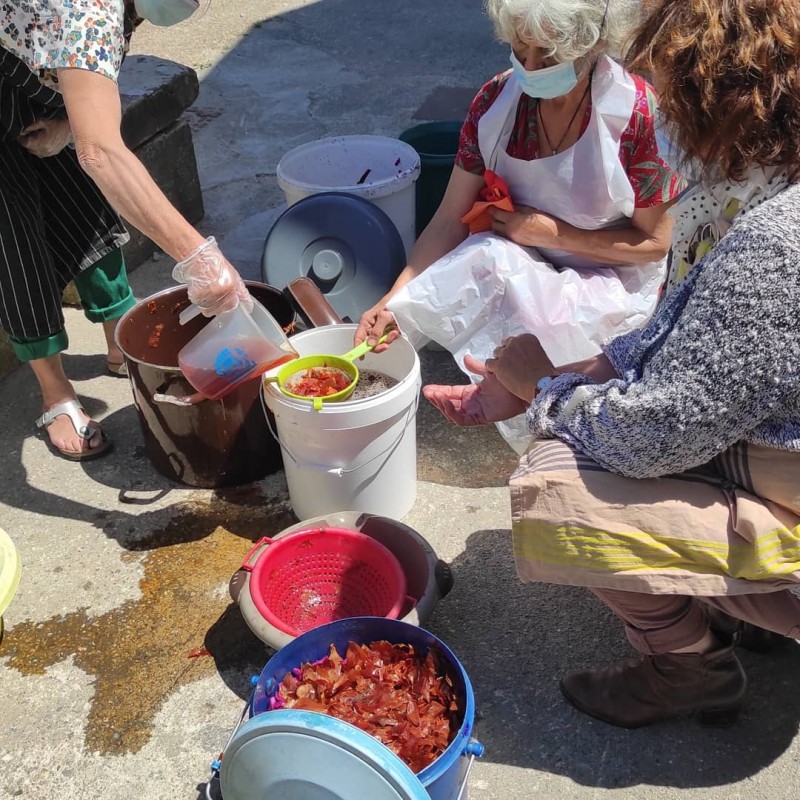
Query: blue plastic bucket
[443,778]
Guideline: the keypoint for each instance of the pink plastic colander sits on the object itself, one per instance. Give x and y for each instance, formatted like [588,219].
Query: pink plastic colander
[319,575]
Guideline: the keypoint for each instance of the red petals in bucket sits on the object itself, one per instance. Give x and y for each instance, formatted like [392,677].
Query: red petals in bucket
[403,699]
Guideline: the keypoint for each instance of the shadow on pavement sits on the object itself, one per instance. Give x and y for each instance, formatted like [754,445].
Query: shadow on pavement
[516,640]
[447,454]
[349,92]
[469,458]
[248,512]
[237,652]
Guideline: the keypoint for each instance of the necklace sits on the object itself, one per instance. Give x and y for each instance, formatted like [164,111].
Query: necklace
[569,124]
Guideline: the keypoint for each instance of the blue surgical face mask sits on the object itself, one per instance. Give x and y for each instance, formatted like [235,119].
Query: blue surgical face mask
[165,12]
[673,156]
[547,83]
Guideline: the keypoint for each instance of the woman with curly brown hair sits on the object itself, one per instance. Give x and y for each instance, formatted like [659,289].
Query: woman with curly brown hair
[666,472]
[742,126]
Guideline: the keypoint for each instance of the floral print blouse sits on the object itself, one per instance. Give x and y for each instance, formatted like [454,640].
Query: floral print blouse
[47,35]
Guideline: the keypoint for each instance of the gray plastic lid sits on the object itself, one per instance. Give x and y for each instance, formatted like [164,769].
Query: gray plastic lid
[301,755]
[347,245]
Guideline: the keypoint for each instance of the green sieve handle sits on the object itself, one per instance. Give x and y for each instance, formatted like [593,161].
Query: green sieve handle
[363,348]
[355,353]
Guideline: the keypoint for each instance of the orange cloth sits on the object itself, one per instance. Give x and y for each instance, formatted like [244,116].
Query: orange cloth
[495,193]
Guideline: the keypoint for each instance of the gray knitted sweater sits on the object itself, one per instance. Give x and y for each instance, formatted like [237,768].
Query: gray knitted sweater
[719,362]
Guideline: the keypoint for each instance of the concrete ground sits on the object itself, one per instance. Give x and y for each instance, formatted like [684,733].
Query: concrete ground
[125,573]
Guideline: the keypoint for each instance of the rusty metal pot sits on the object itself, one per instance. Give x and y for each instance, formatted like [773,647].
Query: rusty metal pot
[197,442]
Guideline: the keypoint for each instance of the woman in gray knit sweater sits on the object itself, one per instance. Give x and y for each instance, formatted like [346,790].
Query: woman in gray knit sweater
[665,472]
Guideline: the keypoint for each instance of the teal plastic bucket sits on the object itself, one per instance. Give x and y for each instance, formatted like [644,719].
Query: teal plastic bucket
[445,777]
[437,145]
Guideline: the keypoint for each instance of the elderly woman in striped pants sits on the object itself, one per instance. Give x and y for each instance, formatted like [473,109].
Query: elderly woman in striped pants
[65,174]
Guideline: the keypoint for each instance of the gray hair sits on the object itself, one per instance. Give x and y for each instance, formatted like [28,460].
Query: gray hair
[567,29]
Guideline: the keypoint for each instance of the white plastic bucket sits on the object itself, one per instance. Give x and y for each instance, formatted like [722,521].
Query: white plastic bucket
[358,455]
[336,164]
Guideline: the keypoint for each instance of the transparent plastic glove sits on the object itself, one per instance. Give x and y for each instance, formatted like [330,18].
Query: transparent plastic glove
[47,137]
[213,283]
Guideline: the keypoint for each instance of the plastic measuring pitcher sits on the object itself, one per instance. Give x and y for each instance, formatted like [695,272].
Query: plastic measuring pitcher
[322,378]
[235,346]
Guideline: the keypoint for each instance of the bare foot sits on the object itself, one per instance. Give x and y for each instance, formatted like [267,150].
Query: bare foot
[115,358]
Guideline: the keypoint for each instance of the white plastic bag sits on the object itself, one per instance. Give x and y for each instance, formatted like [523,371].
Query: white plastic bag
[489,288]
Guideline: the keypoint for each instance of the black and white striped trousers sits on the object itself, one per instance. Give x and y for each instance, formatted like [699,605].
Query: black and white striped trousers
[54,222]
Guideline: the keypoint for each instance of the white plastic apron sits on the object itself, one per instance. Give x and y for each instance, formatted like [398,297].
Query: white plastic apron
[586,184]
[489,288]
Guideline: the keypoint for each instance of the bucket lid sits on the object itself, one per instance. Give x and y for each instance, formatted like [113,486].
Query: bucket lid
[303,755]
[10,569]
[347,245]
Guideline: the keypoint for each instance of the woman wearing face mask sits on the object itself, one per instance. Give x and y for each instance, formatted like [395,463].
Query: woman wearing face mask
[572,134]
[65,174]
[666,472]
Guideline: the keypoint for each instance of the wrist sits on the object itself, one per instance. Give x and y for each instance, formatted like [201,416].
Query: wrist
[565,236]
[210,241]
[188,266]
[598,368]
[543,383]
[187,244]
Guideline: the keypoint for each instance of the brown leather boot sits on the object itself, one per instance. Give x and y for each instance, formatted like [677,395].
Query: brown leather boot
[745,634]
[640,691]
[759,640]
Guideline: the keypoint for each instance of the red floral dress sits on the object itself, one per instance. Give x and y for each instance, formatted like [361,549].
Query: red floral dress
[652,180]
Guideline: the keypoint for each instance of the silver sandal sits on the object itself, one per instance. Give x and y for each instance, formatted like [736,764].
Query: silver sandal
[72,409]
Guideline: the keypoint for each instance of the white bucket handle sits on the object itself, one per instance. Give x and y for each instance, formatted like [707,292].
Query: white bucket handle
[474,750]
[339,471]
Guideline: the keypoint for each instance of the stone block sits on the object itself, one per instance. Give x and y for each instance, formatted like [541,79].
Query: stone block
[154,92]
[169,158]
[71,297]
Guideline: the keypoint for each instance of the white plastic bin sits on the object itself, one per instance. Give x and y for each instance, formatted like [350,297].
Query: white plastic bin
[337,164]
[356,455]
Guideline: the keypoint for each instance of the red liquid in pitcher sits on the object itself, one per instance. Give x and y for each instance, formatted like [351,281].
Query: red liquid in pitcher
[246,360]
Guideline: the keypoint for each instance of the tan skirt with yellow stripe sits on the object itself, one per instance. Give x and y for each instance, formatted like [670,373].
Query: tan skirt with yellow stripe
[732,527]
